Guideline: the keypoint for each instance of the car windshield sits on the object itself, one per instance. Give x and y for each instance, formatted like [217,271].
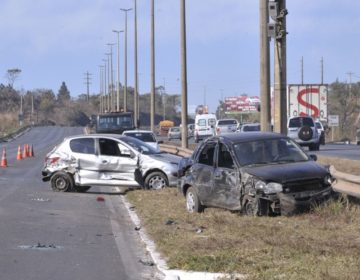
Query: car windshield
[143,136]
[175,129]
[299,122]
[251,127]
[226,122]
[140,146]
[269,151]
[115,121]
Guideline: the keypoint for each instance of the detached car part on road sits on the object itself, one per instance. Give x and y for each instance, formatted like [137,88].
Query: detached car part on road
[256,173]
[80,162]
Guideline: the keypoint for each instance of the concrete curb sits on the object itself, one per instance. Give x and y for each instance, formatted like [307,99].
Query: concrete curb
[161,263]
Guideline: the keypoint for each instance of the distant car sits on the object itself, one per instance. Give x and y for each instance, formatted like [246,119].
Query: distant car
[256,173]
[225,126]
[304,132]
[191,128]
[204,126]
[174,133]
[321,131]
[146,136]
[83,161]
[247,127]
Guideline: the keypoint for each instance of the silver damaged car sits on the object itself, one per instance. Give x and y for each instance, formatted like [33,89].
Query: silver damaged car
[83,161]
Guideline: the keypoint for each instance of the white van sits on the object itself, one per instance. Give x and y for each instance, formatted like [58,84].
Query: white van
[204,126]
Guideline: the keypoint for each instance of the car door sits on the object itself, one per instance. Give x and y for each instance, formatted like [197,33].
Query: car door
[203,170]
[226,180]
[83,151]
[117,163]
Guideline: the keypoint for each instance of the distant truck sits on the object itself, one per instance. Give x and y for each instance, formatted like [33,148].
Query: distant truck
[114,122]
[308,100]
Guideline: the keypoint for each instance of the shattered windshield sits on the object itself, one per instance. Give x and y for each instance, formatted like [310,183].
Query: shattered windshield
[269,151]
[140,146]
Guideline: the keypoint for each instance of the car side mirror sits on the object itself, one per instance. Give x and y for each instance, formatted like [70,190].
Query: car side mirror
[313,157]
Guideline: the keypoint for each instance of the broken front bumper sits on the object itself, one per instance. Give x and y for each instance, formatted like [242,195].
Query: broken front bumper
[294,203]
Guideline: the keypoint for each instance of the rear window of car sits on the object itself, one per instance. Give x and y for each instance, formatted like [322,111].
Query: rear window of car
[226,122]
[251,128]
[299,122]
[83,146]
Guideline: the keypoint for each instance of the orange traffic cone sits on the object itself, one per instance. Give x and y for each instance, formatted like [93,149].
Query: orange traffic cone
[27,150]
[31,153]
[3,159]
[24,155]
[19,155]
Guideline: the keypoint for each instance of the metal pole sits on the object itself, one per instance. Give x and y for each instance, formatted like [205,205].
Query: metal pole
[101,93]
[108,82]
[152,95]
[184,105]
[280,112]
[125,60]
[111,86]
[265,112]
[105,86]
[136,90]
[118,70]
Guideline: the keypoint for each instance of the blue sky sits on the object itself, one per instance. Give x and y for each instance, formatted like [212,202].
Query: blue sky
[59,40]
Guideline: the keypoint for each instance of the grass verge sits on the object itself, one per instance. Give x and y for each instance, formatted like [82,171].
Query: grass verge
[323,244]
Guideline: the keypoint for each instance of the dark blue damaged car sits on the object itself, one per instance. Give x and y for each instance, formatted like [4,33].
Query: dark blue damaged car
[256,173]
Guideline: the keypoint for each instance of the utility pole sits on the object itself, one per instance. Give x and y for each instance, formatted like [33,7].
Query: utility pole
[163,101]
[265,112]
[108,83]
[184,105]
[302,70]
[136,86]
[101,93]
[152,95]
[322,70]
[125,60]
[111,84]
[118,70]
[87,82]
[106,108]
[280,112]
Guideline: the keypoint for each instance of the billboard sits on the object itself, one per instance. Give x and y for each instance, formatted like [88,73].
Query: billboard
[308,100]
[241,104]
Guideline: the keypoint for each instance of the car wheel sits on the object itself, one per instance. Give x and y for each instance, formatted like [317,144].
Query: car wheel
[193,203]
[82,188]
[255,207]
[62,182]
[305,133]
[156,181]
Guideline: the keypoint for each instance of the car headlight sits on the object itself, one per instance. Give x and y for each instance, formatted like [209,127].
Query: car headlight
[268,188]
[328,180]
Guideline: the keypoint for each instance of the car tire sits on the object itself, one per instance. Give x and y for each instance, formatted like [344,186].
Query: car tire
[193,204]
[81,188]
[305,133]
[156,181]
[62,182]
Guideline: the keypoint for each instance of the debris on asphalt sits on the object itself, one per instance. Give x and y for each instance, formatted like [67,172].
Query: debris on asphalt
[100,198]
[148,263]
[137,228]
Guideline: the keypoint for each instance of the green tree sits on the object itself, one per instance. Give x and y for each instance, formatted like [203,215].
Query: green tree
[63,95]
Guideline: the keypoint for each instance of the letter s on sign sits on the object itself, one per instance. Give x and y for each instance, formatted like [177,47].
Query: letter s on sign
[312,107]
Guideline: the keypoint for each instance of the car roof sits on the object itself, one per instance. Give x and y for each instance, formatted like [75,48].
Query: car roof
[96,135]
[248,136]
[138,131]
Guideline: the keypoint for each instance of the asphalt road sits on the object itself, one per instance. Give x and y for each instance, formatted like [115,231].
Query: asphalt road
[47,235]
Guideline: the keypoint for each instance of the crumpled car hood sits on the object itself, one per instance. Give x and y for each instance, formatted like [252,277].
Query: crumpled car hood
[288,172]
[166,157]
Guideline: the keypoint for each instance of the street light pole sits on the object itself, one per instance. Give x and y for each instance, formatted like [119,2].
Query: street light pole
[105,87]
[101,89]
[136,90]
[184,105]
[152,96]
[125,60]
[111,86]
[118,70]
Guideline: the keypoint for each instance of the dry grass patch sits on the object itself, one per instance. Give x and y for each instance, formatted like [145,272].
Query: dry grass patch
[323,244]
